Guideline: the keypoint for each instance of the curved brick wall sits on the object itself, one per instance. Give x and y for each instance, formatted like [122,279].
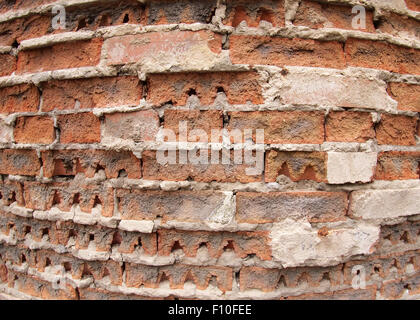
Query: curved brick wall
[88,211]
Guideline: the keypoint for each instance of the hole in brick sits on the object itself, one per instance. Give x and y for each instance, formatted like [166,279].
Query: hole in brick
[138,244]
[229,246]
[23,258]
[407,286]
[91,237]
[266,15]
[202,245]
[67,266]
[213,281]
[126,18]
[377,269]
[122,173]
[72,233]
[191,92]
[15,44]
[27,230]
[405,237]
[97,201]
[116,239]
[76,198]
[239,16]
[1,196]
[220,90]
[377,23]
[13,197]
[303,279]
[189,278]
[81,24]
[10,226]
[281,283]
[86,272]
[45,232]
[104,20]
[326,277]
[176,246]
[47,262]
[99,168]
[56,199]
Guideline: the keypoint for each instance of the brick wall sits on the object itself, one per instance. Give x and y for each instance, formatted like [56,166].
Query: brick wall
[87,210]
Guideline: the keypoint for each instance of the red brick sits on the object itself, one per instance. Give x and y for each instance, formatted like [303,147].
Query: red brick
[44,196]
[396,165]
[153,170]
[326,15]
[286,52]
[407,95]
[396,24]
[295,165]
[195,119]
[60,56]
[19,98]
[239,87]
[396,130]
[19,161]
[242,243]
[382,55]
[71,162]
[348,126]
[79,128]
[137,126]
[395,289]
[36,129]
[176,45]
[281,126]
[253,12]
[182,11]
[413,5]
[178,274]
[7,64]
[22,4]
[369,293]
[188,206]
[11,191]
[253,207]
[91,93]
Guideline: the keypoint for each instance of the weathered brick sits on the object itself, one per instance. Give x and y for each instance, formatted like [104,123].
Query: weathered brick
[11,191]
[7,64]
[295,165]
[382,55]
[181,206]
[79,128]
[204,172]
[195,120]
[36,129]
[253,207]
[369,293]
[242,243]
[19,161]
[19,98]
[6,132]
[326,15]
[351,167]
[135,126]
[102,294]
[60,56]
[381,204]
[282,126]
[175,88]
[413,5]
[71,162]
[44,196]
[407,95]
[396,129]
[348,126]
[177,46]
[253,12]
[399,25]
[395,289]
[286,52]
[178,274]
[91,93]
[396,165]
[184,11]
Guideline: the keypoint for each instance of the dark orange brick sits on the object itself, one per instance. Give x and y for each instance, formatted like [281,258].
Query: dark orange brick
[195,120]
[396,165]
[326,15]
[253,12]
[91,93]
[286,52]
[7,64]
[397,130]
[19,161]
[281,126]
[413,4]
[175,88]
[79,128]
[71,162]
[253,207]
[19,98]
[60,56]
[348,126]
[382,55]
[295,165]
[36,129]
[407,95]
